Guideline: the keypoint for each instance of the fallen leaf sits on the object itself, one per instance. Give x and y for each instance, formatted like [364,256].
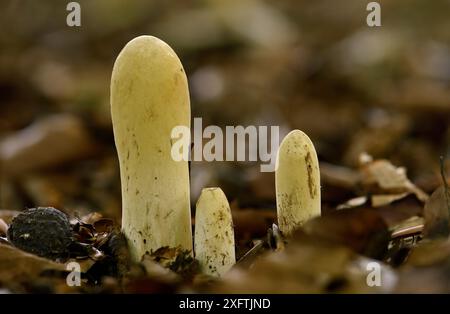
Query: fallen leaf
[408,227]
[380,176]
[64,133]
[309,265]
[176,259]
[386,199]
[352,203]
[361,229]
[436,215]
[430,253]
[19,266]
[3,228]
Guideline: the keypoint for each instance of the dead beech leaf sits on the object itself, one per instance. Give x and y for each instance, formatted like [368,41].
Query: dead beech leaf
[361,229]
[308,265]
[20,266]
[378,200]
[400,210]
[386,199]
[157,272]
[427,269]
[3,228]
[8,215]
[353,203]
[176,259]
[382,177]
[408,227]
[436,215]
[430,253]
[423,280]
[103,225]
[338,175]
[252,223]
[91,218]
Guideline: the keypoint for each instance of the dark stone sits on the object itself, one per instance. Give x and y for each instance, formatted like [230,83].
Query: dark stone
[44,231]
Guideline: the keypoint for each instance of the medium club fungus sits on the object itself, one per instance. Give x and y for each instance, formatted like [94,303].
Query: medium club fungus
[149,97]
[297,181]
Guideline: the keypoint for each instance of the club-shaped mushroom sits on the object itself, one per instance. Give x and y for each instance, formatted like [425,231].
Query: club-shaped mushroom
[150,97]
[297,181]
[214,235]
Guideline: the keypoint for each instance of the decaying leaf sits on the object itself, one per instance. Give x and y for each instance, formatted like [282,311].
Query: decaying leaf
[3,228]
[383,200]
[411,226]
[8,215]
[19,266]
[436,215]
[354,202]
[380,176]
[176,259]
[307,266]
[361,229]
[430,253]
[158,272]
[427,269]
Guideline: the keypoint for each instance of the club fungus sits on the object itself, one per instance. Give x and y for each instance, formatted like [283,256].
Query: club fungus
[297,181]
[150,97]
[214,235]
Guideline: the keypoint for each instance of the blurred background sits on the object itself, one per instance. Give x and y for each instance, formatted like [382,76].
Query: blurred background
[311,65]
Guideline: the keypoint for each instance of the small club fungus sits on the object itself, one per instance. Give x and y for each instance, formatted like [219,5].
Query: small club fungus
[149,97]
[214,235]
[297,181]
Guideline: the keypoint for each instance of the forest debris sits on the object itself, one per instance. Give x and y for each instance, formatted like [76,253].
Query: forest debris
[381,176]
[251,256]
[411,226]
[309,265]
[58,138]
[275,239]
[383,183]
[3,228]
[251,223]
[430,253]
[91,218]
[427,269]
[339,175]
[44,231]
[226,23]
[386,199]
[400,210]
[436,215]
[41,190]
[353,202]
[19,266]
[423,280]
[361,229]
[176,259]
[419,95]
[382,135]
[158,272]
[8,215]
[269,28]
